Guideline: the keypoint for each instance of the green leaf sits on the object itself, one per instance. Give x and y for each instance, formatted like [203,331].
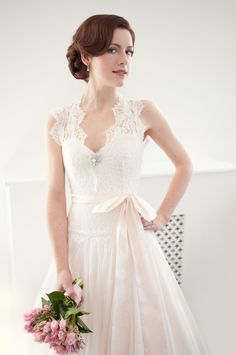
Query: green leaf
[82,312]
[56,309]
[71,311]
[83,327]
[56,296]
[62,309]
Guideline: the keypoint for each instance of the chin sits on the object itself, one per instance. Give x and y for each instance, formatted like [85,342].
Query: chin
[120,83]
[117,83]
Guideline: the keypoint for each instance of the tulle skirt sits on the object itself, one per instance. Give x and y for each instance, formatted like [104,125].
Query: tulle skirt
[136,305]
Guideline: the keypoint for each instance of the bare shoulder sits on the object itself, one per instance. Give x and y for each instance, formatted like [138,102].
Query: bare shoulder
[161,132]
[49,122]
[56,169]
[54,124]
[152,114]
[52,136]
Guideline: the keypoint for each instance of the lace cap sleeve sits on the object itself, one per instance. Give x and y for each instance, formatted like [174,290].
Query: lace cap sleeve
[137,107]
[57,130]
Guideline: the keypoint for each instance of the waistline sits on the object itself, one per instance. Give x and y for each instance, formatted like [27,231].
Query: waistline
[90,198]
[107,202]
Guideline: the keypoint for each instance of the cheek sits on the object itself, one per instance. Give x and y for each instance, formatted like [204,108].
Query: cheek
[105,63]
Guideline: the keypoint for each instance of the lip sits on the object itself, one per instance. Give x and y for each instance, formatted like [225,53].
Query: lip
[121,71]
[122,75]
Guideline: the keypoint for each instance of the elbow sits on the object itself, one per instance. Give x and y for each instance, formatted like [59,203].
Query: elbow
[187,167]
[190,166]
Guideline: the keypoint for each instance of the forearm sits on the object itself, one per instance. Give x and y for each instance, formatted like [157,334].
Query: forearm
[58,229]
[175,191]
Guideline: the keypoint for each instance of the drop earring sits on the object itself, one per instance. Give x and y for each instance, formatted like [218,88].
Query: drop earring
[88,67]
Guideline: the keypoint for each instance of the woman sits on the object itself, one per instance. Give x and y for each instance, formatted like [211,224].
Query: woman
[136,305]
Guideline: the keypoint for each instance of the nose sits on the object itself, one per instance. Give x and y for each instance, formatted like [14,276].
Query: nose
[123,58]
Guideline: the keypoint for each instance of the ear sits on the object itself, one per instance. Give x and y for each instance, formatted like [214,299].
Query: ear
[85,59]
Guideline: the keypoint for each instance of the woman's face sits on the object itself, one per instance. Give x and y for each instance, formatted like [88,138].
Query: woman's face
[117,57]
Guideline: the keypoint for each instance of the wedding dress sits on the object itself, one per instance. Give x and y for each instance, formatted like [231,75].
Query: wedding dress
[135,302]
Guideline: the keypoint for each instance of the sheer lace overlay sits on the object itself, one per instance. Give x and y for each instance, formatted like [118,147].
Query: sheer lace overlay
[68,120]
[116,165]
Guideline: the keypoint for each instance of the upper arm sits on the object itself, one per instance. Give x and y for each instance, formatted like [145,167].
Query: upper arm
[56,169]
[161,133]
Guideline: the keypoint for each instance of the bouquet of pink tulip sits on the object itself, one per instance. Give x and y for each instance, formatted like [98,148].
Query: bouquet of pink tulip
[57,322]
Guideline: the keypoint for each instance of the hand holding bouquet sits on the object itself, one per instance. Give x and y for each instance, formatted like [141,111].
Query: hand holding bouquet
[58,322]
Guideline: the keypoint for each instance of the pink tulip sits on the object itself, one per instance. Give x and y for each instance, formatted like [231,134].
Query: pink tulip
[29,328]
[70,338]
[54,335]
[79,294]
[47,327]
[61,335]
[59,349]
[54,325]
[30,316]
[47,338]
[62,323]
[70,348]
[39,337]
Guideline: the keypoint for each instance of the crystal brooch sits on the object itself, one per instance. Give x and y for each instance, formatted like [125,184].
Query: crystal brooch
[94,160]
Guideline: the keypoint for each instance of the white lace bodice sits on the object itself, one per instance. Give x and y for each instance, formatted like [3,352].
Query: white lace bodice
[115,167]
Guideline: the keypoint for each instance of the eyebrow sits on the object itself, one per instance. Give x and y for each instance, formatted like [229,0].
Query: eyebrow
[116,44]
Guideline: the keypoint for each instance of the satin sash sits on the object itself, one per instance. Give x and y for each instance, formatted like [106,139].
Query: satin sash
[130,248]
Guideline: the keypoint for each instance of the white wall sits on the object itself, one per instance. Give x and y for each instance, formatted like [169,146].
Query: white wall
[184,61]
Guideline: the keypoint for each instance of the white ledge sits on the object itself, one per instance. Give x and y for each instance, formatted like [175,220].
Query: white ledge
[163,167]
[157,167]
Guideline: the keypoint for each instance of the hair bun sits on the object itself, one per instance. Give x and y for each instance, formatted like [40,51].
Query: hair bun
[93,37]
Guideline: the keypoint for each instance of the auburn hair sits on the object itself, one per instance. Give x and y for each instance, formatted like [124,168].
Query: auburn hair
[93,37]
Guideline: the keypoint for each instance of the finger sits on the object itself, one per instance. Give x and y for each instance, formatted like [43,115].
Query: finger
[70,292]
[148,224]
[150,227]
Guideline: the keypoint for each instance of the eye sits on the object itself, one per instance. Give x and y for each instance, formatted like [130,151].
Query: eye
[131,52]
[111,49]
[114,49]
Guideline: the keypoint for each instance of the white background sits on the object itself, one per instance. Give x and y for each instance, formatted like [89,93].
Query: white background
[184,60]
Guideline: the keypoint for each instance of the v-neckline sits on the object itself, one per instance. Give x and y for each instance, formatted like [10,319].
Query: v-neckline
[111,128]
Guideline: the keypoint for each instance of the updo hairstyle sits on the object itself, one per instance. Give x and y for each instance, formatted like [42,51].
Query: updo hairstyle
[93,37]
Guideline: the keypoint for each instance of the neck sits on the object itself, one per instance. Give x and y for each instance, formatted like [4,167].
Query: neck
[99,100]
